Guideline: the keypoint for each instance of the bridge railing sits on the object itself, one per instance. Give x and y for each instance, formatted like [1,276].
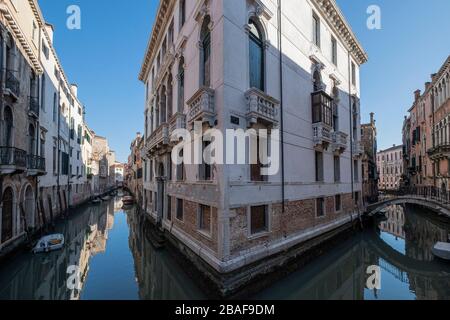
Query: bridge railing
[427,192]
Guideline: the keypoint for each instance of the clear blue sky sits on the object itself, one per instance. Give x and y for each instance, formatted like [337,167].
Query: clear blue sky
[105,56]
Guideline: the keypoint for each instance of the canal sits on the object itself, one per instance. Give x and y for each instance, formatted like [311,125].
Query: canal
[108,251]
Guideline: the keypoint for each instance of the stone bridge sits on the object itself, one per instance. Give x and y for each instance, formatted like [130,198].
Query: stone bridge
[442,208]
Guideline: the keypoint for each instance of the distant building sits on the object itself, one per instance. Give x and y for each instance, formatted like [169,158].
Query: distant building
[134,171]
[369,161]
[390,168]
[426,131]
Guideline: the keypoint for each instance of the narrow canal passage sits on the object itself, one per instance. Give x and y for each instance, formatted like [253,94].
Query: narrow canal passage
[116,260]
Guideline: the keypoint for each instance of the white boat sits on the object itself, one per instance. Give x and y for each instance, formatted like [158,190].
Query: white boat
[442,250]
[49,243]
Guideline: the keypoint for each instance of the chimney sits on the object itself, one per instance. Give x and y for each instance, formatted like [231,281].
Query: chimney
[49,28]
[417,95]
[372,118]
[74,90]
[433,76]
[427,85]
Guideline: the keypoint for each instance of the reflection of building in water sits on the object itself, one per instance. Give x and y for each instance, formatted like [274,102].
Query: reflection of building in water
[159,276]
[44,277]
[395,221]
[422,234]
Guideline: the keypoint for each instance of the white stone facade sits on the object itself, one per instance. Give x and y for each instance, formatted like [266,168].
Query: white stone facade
[213,212]
[390,168]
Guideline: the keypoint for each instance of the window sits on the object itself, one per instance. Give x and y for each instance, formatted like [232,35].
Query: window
[337,203]
[334,50]
[316,30]
[169,208]
[205,53]
[43,92]
[181,85]
[180,168]
[256,58]
[353,74]
[204,221]
[319,166]
[180,209]
[205,168]
[45,50]
[182,13]
[337,169]
[320,207]
[356,198]
[255,168]
[355,171]
[65,163]
[258,219]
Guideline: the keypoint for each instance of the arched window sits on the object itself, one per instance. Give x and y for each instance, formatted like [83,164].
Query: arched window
[335,108]
[157,111]
[181,85]
[256,56]
[9,123]
[205,53]
[182,13]
[163,106]
[169,97]
[317,81]
[7,215]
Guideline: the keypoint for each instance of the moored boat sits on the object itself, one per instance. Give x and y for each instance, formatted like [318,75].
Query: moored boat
[442,250]
[49,243]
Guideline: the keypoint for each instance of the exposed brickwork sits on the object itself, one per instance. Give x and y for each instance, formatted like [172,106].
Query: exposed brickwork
[299,215]
[190,224]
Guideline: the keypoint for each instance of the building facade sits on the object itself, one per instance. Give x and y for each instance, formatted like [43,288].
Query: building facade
[220,63]
[134,171]
[369,160]
[390,168]
[427,134]
[44,157]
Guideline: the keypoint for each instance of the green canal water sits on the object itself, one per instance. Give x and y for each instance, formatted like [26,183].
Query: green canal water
[108,256]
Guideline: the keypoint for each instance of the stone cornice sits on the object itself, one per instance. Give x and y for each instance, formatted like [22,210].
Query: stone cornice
[161,21]
[20,36]
[330,10]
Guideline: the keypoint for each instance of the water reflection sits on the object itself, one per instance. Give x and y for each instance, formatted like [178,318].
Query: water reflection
[400,246]
[116,260]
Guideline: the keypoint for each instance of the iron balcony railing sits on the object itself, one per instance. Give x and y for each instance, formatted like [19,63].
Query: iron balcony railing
[35,163]
[10,156]
[12,83]
[33,105]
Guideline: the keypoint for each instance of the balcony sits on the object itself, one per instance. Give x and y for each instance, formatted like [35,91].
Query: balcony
[33,107]
[159,138]
[12,160]
[12,85]
[35,165]
[439,152]
[262,107]
[201,107]
[358,149]
[322,116]
[339,141]
[177,121]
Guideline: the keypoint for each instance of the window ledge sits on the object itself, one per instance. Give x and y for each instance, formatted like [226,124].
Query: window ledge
[258,235]
[205,234]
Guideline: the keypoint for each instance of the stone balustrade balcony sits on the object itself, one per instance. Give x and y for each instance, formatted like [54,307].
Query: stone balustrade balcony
[35,165]
[12,84]
[202,107]
[12,160]
[159,138]
[340,140]
[358,149]
[177,121]
[262,107]
[322,135]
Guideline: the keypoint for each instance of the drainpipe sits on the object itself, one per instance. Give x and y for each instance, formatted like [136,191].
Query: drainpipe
[351,123]
[283,192]
[69,176]
[2,81]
